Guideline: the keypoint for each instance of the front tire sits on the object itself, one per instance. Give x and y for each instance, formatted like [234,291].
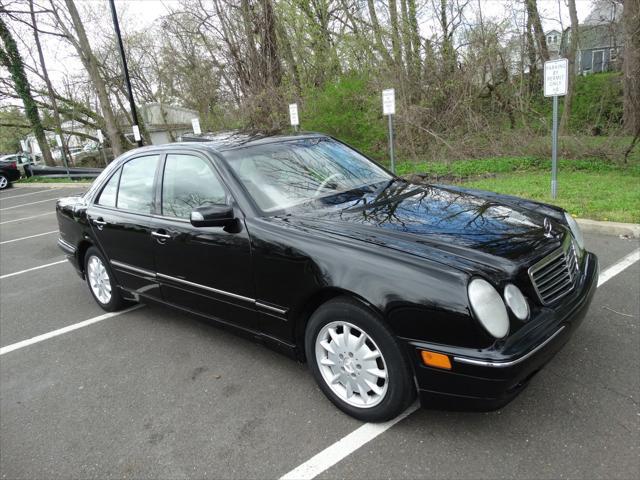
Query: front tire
[357,362]
[4,182]
[101,281]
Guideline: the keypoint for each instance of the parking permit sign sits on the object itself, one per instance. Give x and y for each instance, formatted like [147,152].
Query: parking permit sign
[556,77]
[195,123]
[293,114]
[389,102]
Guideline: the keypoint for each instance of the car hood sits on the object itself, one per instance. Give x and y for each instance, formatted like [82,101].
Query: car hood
[479,226]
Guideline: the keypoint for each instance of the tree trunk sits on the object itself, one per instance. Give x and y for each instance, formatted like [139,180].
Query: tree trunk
[573,48]
[90,62]
[11,59]
[534,18]
[45,74]
[448,53]
[533,59]
[395,34]
[631,67]
[377,33]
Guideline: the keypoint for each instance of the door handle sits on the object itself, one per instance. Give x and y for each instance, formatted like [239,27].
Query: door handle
[159,235]
[99,222]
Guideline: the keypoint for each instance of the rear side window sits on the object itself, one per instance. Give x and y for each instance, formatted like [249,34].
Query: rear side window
[189,182]
[107,197]
[136,184]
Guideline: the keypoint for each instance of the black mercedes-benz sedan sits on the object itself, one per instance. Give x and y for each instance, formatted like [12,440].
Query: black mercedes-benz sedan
[386,288]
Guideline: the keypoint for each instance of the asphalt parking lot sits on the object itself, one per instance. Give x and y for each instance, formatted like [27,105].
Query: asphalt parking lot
[155,393]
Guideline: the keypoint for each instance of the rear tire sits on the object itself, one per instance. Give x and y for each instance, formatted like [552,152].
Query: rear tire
[101,281]
[4,182]
[357,362]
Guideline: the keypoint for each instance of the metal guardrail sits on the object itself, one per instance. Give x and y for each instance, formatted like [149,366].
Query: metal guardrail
[61,172]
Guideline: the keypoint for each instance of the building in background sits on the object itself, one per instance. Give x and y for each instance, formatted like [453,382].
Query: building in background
[600,39]
[165,123]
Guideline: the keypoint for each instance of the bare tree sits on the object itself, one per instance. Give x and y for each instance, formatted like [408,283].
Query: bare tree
[78,38]
[534,18]
[571,54]
[11,59]
[631,66]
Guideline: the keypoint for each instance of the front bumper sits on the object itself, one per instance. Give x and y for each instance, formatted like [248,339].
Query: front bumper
[489,381]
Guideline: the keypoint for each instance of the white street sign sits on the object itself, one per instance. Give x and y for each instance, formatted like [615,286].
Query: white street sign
[389,102]
[556,77]
[293,114]
[136,133]
[100,137]
[195,123]
[24,145]
[59,140]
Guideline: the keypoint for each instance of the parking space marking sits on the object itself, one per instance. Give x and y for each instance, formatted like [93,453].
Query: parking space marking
[344,447]
[619,266]
[30,236]
[2,197]
[27,204]
[31,269]
[63,330]
[27,218]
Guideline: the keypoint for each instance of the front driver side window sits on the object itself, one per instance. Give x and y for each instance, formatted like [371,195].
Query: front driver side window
[189,182]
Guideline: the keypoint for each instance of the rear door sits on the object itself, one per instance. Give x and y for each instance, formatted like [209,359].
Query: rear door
[206,269]
[120,219]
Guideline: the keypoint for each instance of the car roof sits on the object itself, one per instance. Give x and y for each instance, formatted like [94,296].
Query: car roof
[232,140]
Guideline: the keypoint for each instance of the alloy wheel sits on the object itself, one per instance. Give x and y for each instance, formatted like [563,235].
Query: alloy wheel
[99,280]
[351,364]
[3,182]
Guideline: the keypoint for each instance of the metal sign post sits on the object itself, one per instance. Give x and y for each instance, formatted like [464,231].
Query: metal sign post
[389,109]
[556,83]
[293,115]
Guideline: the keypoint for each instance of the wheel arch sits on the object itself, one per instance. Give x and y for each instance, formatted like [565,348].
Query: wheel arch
[315,301]
[81,251]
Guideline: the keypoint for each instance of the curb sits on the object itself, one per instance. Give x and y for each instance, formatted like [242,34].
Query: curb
[631,230]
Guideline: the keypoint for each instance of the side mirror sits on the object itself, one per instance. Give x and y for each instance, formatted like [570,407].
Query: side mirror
[212,216]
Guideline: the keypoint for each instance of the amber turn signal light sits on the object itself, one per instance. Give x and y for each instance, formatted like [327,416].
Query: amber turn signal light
[437,360]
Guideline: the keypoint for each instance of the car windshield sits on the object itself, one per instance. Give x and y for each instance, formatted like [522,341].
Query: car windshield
[285,174]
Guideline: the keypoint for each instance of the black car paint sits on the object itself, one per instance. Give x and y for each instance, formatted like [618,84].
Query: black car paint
[402,250]
[10,172]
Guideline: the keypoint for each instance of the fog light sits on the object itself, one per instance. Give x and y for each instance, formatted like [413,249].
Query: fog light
[433,359]
[517,303]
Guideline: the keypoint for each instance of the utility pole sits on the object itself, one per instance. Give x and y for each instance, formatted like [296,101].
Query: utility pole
[132,104]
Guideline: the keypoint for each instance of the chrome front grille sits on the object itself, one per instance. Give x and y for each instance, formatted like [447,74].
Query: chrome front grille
[556,275]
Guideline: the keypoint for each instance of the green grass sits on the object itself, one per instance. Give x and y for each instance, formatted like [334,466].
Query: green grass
[589,188]
[54,180]
[610,196]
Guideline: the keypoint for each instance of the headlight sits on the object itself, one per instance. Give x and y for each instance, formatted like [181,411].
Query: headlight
[575,230]
[488,307]
[516,302]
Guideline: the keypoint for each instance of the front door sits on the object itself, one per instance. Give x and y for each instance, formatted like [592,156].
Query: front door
[598,61]
[207,270]
[120,220]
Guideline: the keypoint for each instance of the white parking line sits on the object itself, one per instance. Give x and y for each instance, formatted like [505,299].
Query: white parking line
[344,447]
[61,331]
[619,266]
[27,204]
[31,269]
[27,218]
[2,197]
[30,236]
